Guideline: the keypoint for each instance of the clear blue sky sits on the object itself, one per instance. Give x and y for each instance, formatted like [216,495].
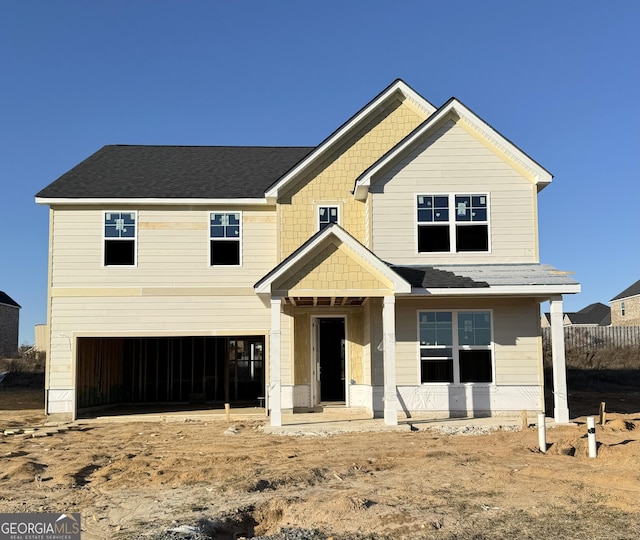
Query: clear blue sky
[561,79]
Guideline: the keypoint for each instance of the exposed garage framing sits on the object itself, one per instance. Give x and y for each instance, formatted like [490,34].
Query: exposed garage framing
[169,370]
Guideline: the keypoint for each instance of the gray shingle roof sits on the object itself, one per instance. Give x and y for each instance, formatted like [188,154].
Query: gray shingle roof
[7,300]
[596,313]
[511,274]
[429,277]
[199,172]
[486,275]
[634,290]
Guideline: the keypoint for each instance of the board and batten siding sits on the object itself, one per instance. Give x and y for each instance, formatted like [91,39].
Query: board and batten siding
[172,248]
[452,161]
[517,343]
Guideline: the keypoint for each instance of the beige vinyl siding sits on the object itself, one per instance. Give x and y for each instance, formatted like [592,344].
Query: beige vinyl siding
[148,316]
[517,345]
[172,249]
[451,161]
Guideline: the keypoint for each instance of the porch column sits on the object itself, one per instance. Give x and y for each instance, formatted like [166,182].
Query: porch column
[389,357]
[560,406]
[275,386]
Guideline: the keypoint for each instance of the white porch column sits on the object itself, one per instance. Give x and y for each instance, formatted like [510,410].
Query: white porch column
[560,405]
[389,360]
[275,386]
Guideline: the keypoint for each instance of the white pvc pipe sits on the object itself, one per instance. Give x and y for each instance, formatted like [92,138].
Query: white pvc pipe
[591,434]
[542,433]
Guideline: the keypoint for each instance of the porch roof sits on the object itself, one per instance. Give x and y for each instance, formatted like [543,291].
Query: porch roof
[481,279]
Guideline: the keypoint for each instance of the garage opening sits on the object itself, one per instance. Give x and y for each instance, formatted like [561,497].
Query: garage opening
[197,371]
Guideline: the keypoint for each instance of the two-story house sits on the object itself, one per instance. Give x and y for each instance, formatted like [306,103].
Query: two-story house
[394,267]
[625,307]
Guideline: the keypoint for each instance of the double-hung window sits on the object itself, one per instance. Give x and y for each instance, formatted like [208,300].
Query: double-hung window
[119,238]
[326,216]
[225,237]
[455,347]
[453,223]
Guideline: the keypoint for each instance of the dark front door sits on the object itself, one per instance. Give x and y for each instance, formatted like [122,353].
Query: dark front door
[332,359]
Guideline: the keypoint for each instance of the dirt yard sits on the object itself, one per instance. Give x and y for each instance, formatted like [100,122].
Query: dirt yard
[203,480]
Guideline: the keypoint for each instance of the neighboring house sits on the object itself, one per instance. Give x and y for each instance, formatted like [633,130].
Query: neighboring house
[596,314]
[9,324]
[394,267]
[625,307]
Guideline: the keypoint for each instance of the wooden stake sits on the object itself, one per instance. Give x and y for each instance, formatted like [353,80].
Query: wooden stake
[227,408]
[603,413]
[525,421]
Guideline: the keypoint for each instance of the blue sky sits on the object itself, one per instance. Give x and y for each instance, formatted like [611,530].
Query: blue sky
[559,79]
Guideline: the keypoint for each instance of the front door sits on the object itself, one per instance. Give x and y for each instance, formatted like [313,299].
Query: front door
[329,351]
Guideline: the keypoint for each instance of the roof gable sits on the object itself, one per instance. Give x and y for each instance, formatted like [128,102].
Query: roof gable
[317,245]
[397,90]
[463,116]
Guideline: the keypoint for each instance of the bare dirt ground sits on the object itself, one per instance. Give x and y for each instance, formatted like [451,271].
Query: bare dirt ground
[193,480]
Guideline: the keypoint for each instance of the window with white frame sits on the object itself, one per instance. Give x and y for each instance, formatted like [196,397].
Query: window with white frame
[622,309]
[225,238]
[326,216]
[119,238]
[455,347]
[453,223]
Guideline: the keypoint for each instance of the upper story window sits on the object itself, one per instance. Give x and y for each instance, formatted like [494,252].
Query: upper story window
[455,346]
[119,238]
[622,309]
[225,238]
[326,216]
[453,223]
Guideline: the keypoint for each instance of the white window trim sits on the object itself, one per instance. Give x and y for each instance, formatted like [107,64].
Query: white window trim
[456,347]
[328,206]
[239,239]
[453,248]
[135,239]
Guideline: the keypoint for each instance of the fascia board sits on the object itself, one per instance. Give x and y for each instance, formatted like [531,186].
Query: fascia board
[398,85]
[155,201]
[501,290]
[542,176]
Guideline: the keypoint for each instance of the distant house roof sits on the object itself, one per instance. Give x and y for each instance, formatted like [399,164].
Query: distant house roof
[7,300]
[198,172]
[596,314]
[634,290]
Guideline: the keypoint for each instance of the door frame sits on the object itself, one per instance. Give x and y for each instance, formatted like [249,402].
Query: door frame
[314,383]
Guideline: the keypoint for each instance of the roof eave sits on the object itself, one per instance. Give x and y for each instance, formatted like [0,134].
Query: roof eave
[500,290]
[138,201]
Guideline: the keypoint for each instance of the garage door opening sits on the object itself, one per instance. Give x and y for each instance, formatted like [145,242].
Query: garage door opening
[197,372]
